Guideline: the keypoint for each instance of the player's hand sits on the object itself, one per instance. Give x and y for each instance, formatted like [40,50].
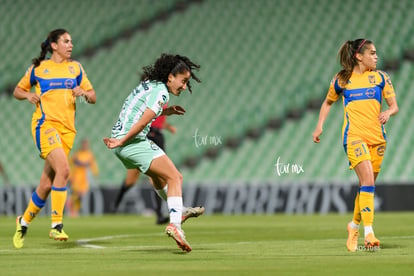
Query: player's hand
[174,109]
[316,133]
[77,91]
[384,117]
[112,143]
[33,98]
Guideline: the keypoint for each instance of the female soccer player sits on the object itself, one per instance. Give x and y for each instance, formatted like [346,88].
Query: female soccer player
[363,89]
[58,82]
[169,74]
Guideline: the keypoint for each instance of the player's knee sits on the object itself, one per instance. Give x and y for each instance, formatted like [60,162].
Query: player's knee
[63,172]
[175,177]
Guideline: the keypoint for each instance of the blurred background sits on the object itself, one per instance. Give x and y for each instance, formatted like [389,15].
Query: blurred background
[266,68]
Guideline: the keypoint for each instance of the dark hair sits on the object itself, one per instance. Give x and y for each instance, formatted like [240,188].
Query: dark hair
[347,58]
[170,64]
[46,47]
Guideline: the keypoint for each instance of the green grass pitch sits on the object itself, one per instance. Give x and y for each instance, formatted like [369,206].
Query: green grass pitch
[222,245]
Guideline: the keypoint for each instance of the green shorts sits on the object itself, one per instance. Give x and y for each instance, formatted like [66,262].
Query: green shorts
[139,154]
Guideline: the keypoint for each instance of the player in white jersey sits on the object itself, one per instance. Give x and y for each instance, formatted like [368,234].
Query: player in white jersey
[169,74]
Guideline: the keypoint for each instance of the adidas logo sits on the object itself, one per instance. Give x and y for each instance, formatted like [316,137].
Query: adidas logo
[172,210]
[54,213]
[366,209]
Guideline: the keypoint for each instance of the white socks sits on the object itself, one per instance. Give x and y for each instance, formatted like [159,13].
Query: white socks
[175,208]
[368,230]
[23,222]
[354,225]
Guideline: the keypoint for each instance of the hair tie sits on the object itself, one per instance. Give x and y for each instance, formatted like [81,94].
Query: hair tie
[359,47]
[46,42]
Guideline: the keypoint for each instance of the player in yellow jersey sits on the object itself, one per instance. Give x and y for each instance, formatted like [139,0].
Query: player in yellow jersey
[59,82]
[83,168]
[363,89]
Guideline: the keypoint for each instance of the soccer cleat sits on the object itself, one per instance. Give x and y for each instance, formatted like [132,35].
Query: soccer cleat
[18,238]
[58,234]
[192,212]
[179,237]
[371,241]
[352,242]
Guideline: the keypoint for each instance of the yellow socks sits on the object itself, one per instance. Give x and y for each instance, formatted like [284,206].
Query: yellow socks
[58,204]
[357,212]
[366,204]
[34,207]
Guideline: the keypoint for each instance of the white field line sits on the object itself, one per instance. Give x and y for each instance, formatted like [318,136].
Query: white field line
[88,243]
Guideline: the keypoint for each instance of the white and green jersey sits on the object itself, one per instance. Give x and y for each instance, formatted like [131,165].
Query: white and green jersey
[153,95]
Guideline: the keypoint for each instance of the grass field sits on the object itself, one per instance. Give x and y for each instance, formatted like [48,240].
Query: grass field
[222,245]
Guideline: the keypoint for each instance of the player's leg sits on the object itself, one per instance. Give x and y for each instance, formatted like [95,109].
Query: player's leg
[131,178]
[365,174]
[377,155]
[60,165]
[360,160]
[158,196]
[163,168]
[36,203]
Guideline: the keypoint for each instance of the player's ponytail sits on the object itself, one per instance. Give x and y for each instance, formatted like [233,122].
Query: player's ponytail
[347,58]
[46,45]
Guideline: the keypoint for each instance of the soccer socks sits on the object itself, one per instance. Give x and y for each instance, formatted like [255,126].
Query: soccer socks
[175,207]
[357,212]
[58,204]
[366,205]
[162,193]
[33,208]
[121,193]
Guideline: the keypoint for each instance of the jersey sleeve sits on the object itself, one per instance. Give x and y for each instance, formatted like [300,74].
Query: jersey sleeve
[157,99]
[28,80]
[82,79]
[334,90]
[388,90]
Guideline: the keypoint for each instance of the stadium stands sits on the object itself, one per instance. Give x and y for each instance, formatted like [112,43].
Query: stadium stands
[260,62]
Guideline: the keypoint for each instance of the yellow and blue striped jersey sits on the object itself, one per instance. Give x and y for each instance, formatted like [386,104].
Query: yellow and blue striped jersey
[54,83]
[362,99]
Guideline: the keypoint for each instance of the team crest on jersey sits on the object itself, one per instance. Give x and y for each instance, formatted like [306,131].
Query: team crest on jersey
[371,79]
[71,70]
[160,103]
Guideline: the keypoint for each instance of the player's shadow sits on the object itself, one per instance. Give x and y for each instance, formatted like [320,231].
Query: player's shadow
[392,246]
[158,250]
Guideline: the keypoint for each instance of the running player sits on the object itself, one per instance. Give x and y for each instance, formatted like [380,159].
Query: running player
[169,74]
[58,82]
[363,89]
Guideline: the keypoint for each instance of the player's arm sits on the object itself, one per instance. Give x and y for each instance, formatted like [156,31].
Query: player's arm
[323,114]
[174,109]
[392,110]
[146,118]
[22,94]
[90,95]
